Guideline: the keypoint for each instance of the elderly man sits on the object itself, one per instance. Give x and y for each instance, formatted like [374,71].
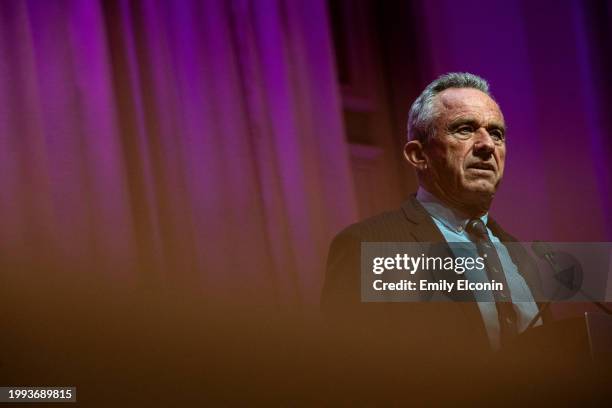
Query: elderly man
[457,144]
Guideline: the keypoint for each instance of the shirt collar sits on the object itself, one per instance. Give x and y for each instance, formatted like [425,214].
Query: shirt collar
[453,219]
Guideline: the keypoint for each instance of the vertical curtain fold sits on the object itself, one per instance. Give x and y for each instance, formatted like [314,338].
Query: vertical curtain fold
[192,144]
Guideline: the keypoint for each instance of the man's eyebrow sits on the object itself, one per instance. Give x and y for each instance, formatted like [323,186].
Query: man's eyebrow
[497,125]
[463,121]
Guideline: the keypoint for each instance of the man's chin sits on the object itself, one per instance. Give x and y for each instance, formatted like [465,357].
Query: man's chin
[479,195]
[481,187]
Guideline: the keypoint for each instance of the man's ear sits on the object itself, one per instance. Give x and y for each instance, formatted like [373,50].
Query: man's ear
[414,154]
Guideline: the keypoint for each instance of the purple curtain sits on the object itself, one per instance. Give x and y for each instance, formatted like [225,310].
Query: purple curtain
[177,144]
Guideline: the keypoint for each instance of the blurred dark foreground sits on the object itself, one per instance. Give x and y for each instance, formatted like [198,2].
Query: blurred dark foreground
[149,348]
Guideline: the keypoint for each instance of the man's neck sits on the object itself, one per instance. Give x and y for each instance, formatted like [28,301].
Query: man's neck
[461,210]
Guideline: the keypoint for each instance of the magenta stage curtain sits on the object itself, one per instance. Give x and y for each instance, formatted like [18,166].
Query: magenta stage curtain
[173,144]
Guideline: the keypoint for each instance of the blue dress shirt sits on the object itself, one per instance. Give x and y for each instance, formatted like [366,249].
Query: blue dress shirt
[452,226]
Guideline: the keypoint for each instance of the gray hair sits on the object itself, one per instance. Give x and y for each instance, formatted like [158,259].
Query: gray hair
[422,112]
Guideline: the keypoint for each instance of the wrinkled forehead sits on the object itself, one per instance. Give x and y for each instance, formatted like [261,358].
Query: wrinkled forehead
[459,102]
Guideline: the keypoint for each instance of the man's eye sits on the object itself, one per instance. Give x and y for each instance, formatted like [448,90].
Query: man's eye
[497,134]
[465,130]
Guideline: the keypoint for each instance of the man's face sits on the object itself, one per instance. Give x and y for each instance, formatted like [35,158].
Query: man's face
[467,151]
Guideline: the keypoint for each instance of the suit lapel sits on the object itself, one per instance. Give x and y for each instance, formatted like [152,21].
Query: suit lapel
[525,265]
[425,230]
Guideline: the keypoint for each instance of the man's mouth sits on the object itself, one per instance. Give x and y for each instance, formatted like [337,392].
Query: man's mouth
[482,166]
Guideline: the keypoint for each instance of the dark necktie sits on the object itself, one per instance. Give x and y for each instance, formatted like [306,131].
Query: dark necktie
[505,311]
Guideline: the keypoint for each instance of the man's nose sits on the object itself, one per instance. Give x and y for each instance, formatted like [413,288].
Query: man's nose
[483,142]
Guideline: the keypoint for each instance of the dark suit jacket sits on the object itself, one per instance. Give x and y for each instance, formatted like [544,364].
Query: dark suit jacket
[438,324]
